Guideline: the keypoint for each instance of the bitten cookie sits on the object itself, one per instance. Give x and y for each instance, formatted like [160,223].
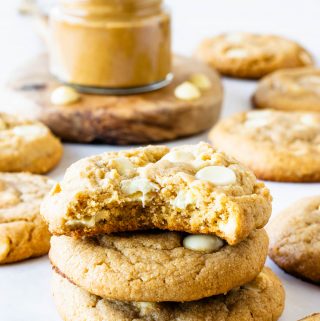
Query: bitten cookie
[159,266]
[247,55]
[277,146]
[290,90]
[313,317]
[295,239]
[27,145]
[262,299]
[23,233]
[192,189]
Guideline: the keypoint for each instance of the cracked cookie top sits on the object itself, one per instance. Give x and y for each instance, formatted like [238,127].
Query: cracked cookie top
[275,145]
[23,233]
[252,55]
[156,266]
[27,145]
[295,239]
[192,188]
[290,89]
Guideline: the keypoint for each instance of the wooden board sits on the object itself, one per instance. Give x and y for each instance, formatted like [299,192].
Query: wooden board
[142,118]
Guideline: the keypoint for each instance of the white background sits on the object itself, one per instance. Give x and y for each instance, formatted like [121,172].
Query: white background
[25,287]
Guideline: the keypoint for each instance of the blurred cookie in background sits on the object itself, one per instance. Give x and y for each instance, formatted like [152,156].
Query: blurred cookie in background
[247,55]
[276,145]
[23,233]
[312,317]
[295,239]
[27,145]
[289,89]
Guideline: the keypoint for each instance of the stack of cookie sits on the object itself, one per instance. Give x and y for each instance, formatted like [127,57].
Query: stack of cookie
[159,234]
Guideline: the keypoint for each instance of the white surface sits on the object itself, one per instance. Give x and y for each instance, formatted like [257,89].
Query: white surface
[25,287]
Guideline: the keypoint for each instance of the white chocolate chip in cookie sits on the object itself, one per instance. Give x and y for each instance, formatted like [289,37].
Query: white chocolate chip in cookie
[64,95]
[218,175]
[179,156]
[309,120]
[187,91]
[201,81]
[183,199]
[256,123]
[138,185]
[30,131]
[4,247]
[237,53]
[123,165]
[203,243]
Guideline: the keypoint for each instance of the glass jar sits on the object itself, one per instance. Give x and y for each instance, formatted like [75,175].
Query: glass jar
[111,46]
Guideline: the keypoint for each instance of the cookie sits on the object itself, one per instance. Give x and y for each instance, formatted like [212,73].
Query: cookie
[277,146]
[27,145]
[156,267]
[247,55]
[191,188]
[262,299]
[295,239]
[290,90]
[313,317]
[23,233]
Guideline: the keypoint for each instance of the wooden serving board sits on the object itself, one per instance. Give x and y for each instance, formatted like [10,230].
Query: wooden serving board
[135,119]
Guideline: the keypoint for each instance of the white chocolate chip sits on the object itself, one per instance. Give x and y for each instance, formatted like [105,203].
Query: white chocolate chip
[305,58]
[4,247]
[179,156]
[187,91]
[218,175]
[237,53]
[255,123]
[64,95]
[141,185]
[30,131]
[123,166]
[309,120]
[183,199]
[203,243]
[88,222]
[201,81]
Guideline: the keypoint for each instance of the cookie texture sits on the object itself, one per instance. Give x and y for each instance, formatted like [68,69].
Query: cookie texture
[155,266]
[313,317]
[193,189]
[23,233]
[277,146]
[295,239]
[27,145]
[262,299]
[247,55]
[290,90]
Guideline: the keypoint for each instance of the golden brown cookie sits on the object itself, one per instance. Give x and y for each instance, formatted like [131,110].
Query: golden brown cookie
[290,90]
[27,145]
[247,55]
[191,188]
[23,233]
[295,239]
[262,299]
[277,146]
[156,266]
[312,317]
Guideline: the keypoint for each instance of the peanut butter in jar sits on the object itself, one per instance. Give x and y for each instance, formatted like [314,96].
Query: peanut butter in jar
[117,45]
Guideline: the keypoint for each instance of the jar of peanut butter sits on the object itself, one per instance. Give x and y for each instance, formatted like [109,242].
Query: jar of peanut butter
[111,46]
